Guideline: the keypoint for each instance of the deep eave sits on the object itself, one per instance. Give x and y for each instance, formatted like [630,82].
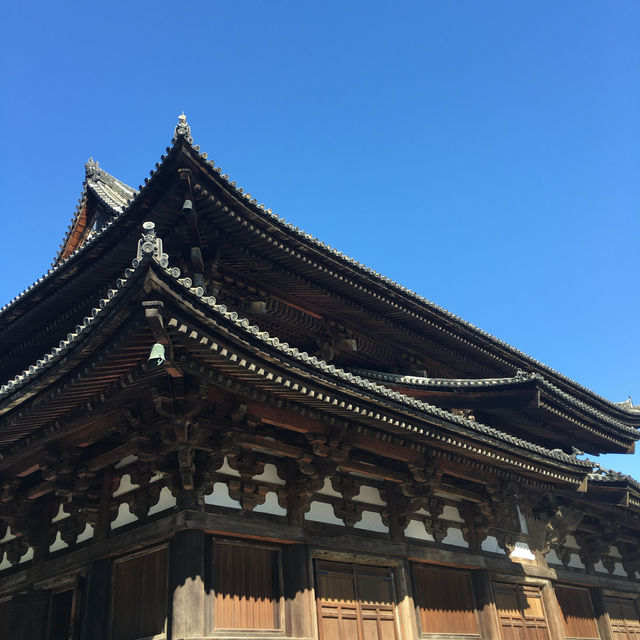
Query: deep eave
[108,248]
[351,396]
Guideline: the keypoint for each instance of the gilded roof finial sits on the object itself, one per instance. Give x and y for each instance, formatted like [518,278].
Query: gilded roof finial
[183,130]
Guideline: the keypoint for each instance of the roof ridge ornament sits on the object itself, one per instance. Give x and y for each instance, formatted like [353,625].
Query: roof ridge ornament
[91,167]
[183,130]
[150,245]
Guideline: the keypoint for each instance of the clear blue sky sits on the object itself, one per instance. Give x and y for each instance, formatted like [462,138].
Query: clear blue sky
[484,154]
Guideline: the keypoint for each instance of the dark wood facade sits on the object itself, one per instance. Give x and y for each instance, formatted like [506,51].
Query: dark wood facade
[214,426]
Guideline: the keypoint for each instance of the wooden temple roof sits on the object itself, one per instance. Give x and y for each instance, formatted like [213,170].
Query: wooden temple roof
[275,259]
[527,401]
[105,359]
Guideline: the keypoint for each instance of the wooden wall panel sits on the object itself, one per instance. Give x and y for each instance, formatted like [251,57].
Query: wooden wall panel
[624,617]
[578,617]
[60,611]
[141,580]
[5,619]
[521,612]
[355,602]
[444,599]
[246,583]
[29,616]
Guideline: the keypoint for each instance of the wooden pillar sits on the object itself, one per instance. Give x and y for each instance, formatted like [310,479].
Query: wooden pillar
[298,595]
[553,612]
[600,612]
[96,603]
[487,613]
[186,585]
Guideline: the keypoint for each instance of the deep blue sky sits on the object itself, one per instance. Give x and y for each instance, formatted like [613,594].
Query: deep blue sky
[484,154]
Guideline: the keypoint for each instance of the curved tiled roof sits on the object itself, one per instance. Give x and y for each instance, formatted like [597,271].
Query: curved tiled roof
[603,476]
[112,194]
[419,381]
[146,257]
[484,383]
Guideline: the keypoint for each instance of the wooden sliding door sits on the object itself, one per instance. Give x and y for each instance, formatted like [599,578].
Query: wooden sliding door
[355,602]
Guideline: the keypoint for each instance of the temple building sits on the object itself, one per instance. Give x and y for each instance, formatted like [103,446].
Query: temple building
[212,425]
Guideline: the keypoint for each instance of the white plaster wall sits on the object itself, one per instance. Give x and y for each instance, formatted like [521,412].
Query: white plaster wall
[322,512]
[28,555]
[575,562]
[61,515]
[490,543]
[123,517]
[8,536]
[328,490]
[130,459]
[416,529]
[125,486]
[271,505]
[220,497]
[371,521]
[58,543]
[598,566]
[87,534]
[454,536]
[270,474]
[522,551]
[227,470]
[369,495]
[451,513]
[552,557]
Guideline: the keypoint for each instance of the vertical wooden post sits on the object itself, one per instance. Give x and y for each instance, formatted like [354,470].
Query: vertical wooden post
[552,609]
[96,603]
[487,613]
[186,585]
[297,594]
[600,611]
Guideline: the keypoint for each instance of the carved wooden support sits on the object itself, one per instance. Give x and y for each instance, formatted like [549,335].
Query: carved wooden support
[630,559]
[592,549]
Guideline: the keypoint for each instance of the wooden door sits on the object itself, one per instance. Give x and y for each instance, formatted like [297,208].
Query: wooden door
[355,602]
[521,612]
[624,617]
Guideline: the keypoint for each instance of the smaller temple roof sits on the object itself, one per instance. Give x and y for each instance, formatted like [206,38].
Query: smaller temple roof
[112,197]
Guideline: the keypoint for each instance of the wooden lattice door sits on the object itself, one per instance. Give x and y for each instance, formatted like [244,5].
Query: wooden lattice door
[521,612]
[355,602]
